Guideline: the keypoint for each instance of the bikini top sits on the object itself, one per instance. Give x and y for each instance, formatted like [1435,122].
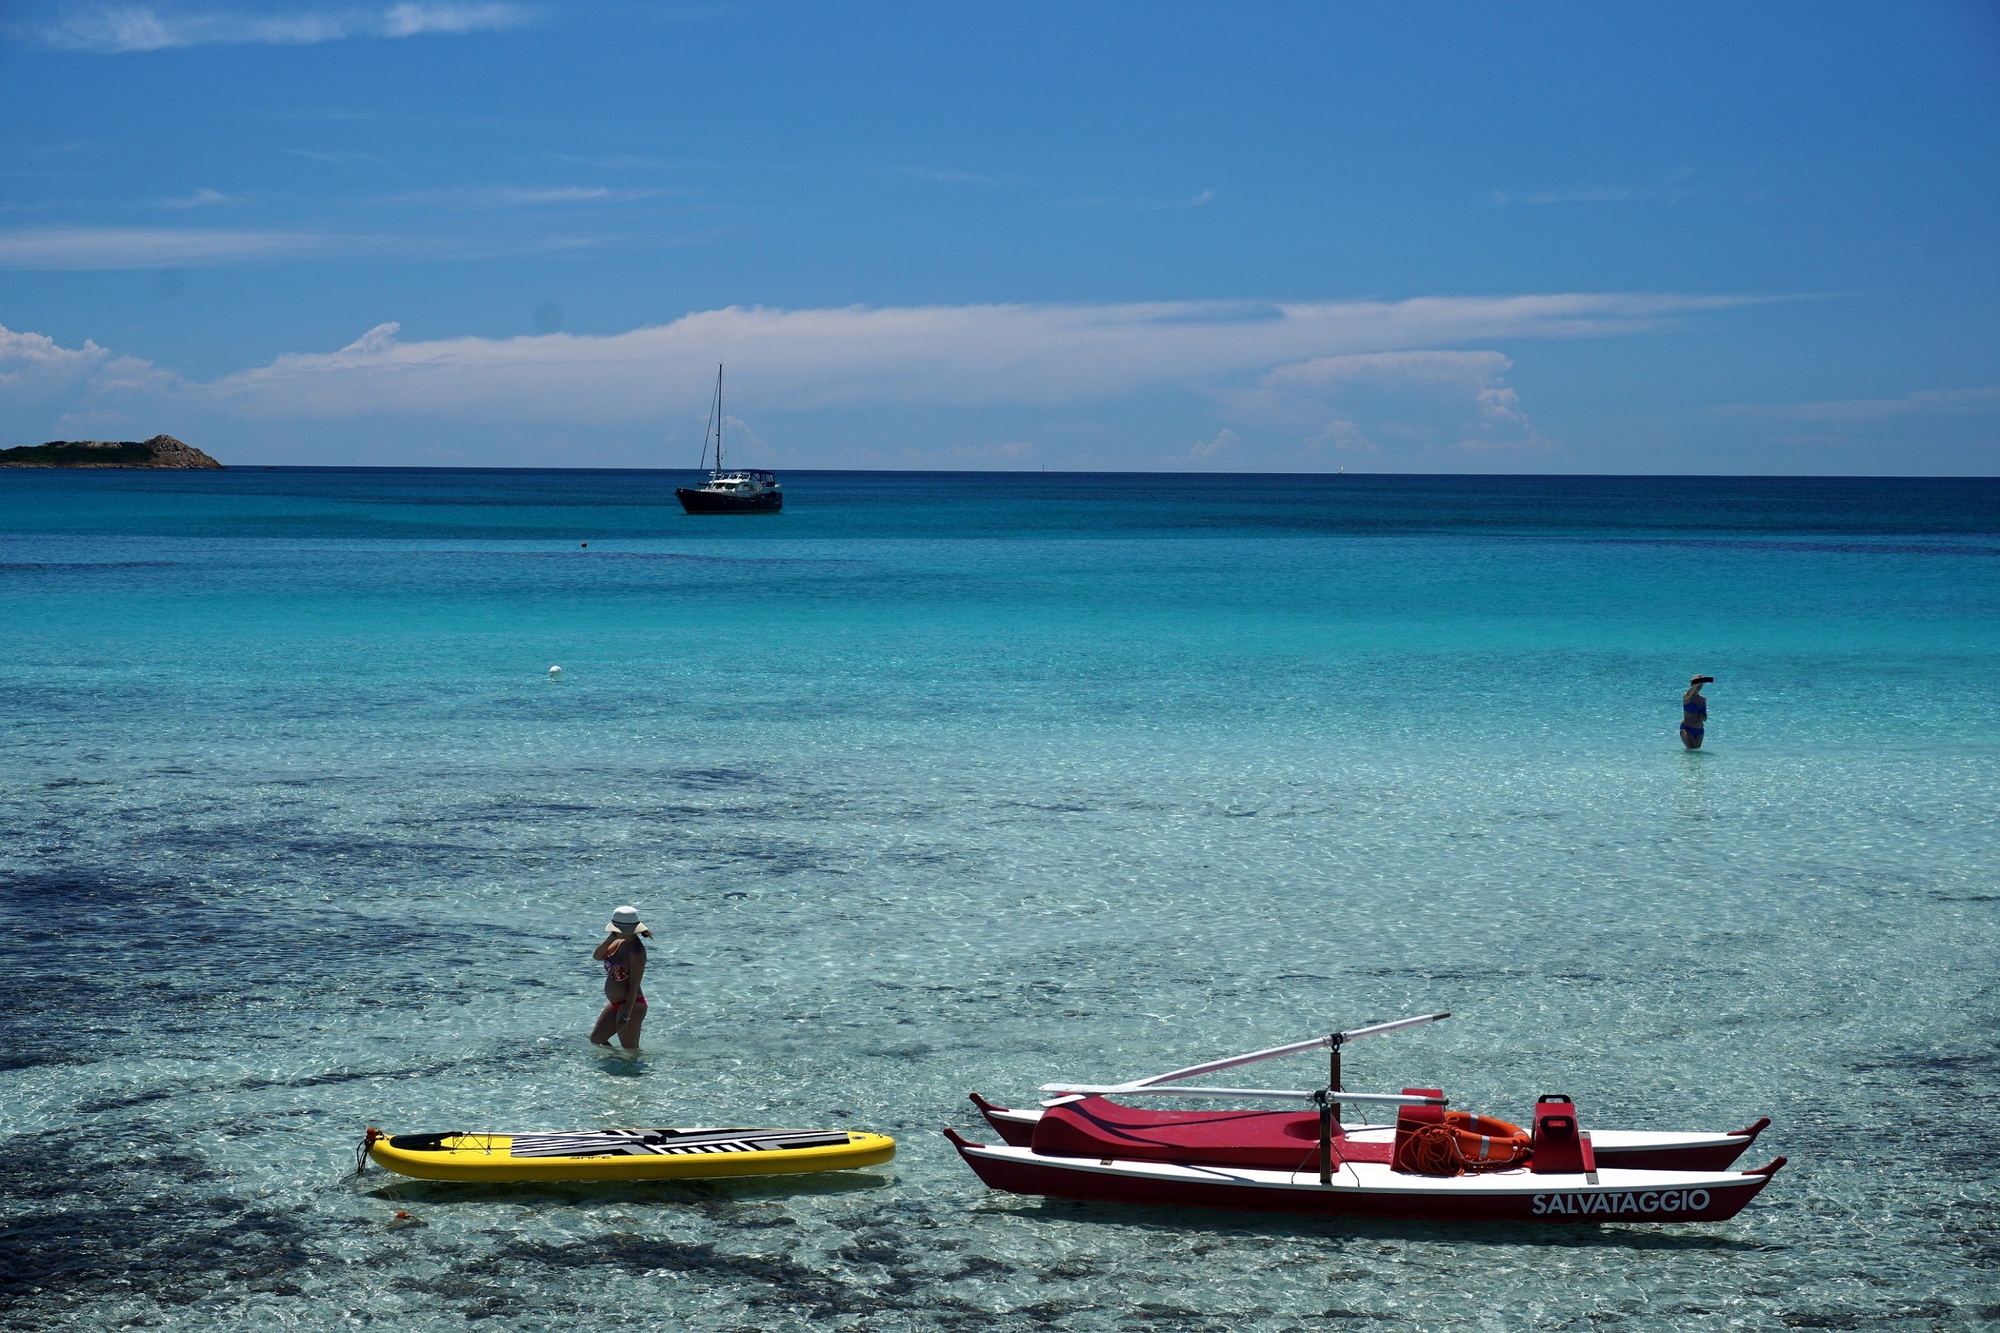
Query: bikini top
[615,968]
[1698,706]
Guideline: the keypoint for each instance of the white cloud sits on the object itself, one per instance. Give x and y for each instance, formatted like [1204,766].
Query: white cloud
[47,249]
[1296,384]
[1671,188]
[739,439]
[79,248]
[110,30]
[202,198]
[507,196]
[561,194]
[129,375]
[1341,437]
[1497,404]
[377,340]
[1588,194]
[39,379]
[1419,367]
[412,20]
[33,363]
[1502,424]
[1226,445]
[1954,402]
[1459,398]
[978,355]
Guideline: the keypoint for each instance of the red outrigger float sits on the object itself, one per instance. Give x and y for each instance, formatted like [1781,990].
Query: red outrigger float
[1082,1144]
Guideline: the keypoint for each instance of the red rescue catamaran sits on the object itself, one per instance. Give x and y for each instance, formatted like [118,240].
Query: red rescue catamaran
[1085,1143]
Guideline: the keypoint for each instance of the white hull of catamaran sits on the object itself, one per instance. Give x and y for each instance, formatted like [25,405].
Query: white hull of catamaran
[1374,1189]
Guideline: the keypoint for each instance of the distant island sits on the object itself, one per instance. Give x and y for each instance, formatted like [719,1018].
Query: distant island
[160,451]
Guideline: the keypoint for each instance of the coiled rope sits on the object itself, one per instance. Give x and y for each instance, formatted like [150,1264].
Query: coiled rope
[1432,1150]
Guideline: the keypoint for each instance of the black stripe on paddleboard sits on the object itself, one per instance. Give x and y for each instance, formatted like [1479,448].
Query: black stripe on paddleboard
[662,1135]
[625,1143]
[587,1142]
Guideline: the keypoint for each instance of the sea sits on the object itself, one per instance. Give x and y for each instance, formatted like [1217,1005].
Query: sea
[939,783]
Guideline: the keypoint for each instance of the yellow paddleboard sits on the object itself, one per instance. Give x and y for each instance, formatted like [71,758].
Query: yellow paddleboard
[626,1154]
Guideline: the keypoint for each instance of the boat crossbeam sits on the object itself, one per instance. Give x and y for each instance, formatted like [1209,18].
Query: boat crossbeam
[1332,1041]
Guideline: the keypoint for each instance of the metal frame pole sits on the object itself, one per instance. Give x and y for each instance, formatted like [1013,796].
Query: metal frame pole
[1334,1043]
[1326,1107]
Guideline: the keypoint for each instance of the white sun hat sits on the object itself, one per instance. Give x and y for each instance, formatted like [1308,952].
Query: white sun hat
[626,921]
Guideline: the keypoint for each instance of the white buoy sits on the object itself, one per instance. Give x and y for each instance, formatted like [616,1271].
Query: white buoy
[555,671]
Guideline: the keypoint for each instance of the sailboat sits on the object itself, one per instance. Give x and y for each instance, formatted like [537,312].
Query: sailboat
[725,492]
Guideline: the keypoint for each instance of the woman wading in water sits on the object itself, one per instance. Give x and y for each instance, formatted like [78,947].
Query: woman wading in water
[1694,712]
[623,954]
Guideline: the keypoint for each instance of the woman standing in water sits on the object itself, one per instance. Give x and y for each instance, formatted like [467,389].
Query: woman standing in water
[1694,712]
[623,954]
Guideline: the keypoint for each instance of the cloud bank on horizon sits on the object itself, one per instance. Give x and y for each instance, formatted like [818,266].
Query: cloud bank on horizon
[967,355]
[1361,384]
[1282,365]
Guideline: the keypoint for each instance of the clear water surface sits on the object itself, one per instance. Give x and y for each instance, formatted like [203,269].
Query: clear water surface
[947,782]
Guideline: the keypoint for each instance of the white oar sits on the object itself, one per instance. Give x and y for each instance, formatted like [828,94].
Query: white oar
[1335,1041]
[1255,1094]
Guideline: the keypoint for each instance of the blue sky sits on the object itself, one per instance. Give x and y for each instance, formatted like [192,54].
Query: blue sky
[1286,237]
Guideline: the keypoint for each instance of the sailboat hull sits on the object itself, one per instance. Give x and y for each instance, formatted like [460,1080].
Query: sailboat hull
[709,502]
[1374,1189]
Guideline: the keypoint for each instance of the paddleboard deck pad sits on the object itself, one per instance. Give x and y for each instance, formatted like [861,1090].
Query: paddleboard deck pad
[625,1154]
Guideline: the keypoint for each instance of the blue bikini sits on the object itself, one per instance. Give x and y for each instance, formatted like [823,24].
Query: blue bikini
[1696,709]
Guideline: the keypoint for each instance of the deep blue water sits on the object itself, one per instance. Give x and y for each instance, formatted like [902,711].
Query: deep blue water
[939,782]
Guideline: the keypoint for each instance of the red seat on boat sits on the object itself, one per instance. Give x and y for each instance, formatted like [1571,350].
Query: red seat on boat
[1561,1146]
[1266,1140]
[1409,1120]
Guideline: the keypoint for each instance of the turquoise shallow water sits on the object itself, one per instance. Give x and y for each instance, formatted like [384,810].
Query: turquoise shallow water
[940,783]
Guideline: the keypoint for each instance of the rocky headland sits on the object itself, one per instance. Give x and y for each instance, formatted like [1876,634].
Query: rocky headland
[160,451]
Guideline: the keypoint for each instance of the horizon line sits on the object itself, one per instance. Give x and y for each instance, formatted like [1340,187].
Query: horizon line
[1037,472]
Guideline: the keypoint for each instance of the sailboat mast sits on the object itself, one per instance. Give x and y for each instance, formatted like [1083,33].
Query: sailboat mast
[718,416]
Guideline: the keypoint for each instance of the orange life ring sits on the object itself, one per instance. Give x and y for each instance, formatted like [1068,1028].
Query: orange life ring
[1486,1143]
[1463,1142]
